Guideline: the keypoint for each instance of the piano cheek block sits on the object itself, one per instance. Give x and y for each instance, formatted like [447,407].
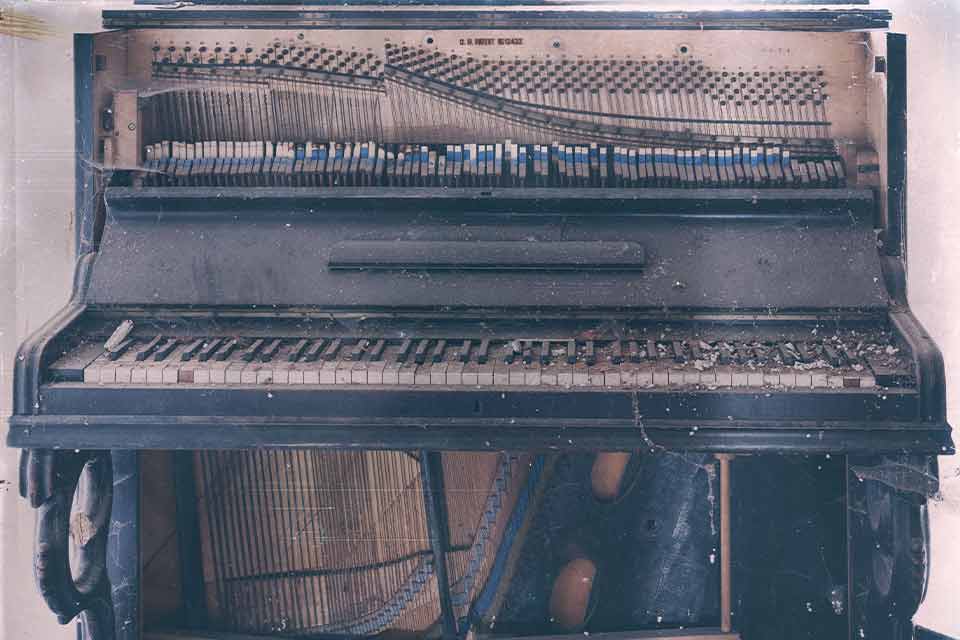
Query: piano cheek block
[404,255]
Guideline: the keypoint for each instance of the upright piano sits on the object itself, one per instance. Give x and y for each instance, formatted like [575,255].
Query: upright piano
[444,312]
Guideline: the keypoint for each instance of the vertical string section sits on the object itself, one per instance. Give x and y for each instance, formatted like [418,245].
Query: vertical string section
[431,474]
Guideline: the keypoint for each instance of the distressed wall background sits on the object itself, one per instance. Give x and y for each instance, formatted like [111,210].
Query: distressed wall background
[36,251]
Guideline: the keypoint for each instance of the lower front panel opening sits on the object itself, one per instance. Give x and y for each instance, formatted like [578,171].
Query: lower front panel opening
[311,543]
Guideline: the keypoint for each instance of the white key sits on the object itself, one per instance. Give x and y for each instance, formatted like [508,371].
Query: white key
[708,378]
[628,376]
[407,374]
[438,373]
[455,373]
[755,379]
[328,372]
[108,373]
[580,377]
[154,374]
[201,375]
[867,381]
[358,373]
[516,375]
[835,381]
[91,373]
[248,375]
[724,378]
[533,376]
[391,373]
[501,375]
[691,377]
[171,374]
[661,378]
[311,375]
[281,374]
[295,375]
[565,376]
[123,373]
[375,372]
[471,374]
[138,375]
[804,379]
[819,380]
[264,375]
[343,374]
[548,376]
[771,379]
[218,372]
[422,374]
[596,376]
[740,379]
[233,373]
[485,375]
[788,378]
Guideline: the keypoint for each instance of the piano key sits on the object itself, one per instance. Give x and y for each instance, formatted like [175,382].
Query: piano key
[121,348]
[571,351]
[356,352]
[420,355]
[589,353]
[314,350]
[192,349]
[438,349]
[270,350]
[679,355]
[165,349]
[483,351]
[545,352]
[331,351]
[209,348]
[297,351]
[144,352]
[250,353]
[633,351]
[652,351]
[119,336]
[404,351]
[463,354]
[375,352]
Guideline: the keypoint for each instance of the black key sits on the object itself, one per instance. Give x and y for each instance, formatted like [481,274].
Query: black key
[831,354]
[148,349]
[438,350]
[589,354]
[805,354]
[511,355]
[787,356]
[695,350]
[331,351]
[404,351]
[226,349]
[617,356]
[528,352]
[464,353]
[420,355]
[209,349]
[375,352]
[571,352]
[633,351]
[761,354]
[251,352]
[850,354]
[483,351]
[744,353]
[270,350]
[165,349]
[191,350]
[120,349]
[357,352]
[298,350]
[678,353]
[314,350]
[726,353]
[545,352]
[652,353]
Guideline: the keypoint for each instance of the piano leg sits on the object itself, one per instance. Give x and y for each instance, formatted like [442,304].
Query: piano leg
[72,494]
[888,540]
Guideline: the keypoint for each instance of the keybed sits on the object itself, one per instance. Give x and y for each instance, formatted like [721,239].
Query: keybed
[835,362]
[500,164]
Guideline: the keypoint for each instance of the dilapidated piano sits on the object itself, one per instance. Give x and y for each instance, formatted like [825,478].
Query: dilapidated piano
[503,321]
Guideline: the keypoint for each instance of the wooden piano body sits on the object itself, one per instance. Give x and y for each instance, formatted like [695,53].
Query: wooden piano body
[357,248]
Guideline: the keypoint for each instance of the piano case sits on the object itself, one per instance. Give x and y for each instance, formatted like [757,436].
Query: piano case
[747,339]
